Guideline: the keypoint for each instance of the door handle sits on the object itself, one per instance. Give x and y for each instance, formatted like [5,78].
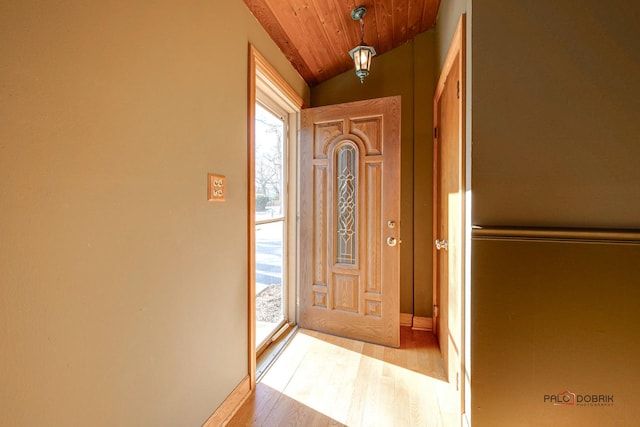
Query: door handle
[392,241]
[442,244]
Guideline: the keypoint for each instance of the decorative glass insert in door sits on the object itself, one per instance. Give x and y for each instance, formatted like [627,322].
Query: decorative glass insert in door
[347,204]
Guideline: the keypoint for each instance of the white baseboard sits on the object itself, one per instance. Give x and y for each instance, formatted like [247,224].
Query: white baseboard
[230,406]
[422,323]
[406,319]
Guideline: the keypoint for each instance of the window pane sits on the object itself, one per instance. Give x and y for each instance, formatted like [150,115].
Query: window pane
[269,163]
[269,278]
[347,204]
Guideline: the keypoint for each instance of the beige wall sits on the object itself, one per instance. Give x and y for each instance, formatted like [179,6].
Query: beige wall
[449,13]
[555,144]
[549,317]
[407,71]
[424,85]
[555,114]
[123,291]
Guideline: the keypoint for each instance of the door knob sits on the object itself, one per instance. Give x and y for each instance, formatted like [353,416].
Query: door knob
[392,241]
[442,244]
[391,224]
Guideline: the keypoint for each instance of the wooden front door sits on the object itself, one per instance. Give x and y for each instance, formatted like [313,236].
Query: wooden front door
[449,199]
[350,220]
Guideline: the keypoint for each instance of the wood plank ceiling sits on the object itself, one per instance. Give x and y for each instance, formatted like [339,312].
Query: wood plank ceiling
[316,35]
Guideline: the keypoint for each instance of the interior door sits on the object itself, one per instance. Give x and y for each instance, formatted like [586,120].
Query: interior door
[449,210]
[350,220]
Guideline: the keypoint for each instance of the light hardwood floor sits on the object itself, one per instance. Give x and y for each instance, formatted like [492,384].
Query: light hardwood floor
[323,380]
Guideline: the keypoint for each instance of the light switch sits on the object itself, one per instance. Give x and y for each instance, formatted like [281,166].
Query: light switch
[216,190]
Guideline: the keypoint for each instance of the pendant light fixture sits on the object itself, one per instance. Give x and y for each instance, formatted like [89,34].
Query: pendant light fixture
[362,53]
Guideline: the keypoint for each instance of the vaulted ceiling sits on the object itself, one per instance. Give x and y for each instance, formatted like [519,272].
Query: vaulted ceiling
[316,35]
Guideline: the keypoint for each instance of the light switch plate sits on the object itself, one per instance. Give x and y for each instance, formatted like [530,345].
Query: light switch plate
[216,189]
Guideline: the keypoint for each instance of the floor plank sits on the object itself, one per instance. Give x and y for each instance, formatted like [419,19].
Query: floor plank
[323,380]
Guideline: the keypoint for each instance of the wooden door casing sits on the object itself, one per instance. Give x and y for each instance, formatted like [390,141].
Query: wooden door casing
[448,218]
[354,297]
[449,208]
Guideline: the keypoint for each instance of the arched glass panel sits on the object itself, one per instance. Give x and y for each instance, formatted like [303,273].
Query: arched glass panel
[347,204]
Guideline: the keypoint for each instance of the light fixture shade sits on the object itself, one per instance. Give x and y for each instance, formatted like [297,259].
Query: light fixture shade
[362,55]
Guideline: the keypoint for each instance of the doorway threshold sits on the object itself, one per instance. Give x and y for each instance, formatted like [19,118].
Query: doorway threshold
[278,343]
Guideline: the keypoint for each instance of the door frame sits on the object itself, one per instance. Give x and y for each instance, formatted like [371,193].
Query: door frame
[456,48]
[264,76]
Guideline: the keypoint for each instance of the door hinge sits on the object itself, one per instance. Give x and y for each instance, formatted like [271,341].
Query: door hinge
[435,310]
[458,89]
[435,132]
[457,381]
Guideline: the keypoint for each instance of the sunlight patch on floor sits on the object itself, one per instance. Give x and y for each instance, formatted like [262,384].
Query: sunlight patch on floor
[354,388]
